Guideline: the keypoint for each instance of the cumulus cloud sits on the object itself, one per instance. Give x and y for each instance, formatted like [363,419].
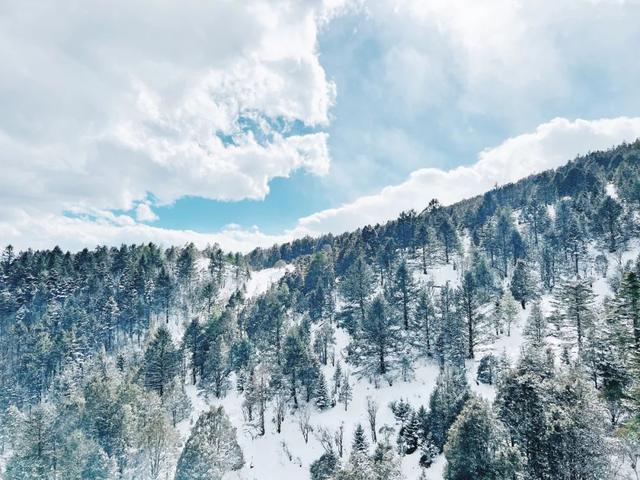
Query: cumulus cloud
[549,146]
[104,104]
[75,233]
[127,106]
[144,213]
[455,77]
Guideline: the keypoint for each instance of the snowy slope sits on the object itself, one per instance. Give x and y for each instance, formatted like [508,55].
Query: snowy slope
[286,456]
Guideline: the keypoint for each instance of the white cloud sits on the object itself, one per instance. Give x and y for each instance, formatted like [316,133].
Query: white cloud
[551,145]
[144,213]
[105,104]
[80,232]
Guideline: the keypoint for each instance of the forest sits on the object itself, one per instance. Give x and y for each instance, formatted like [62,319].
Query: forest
[497,338]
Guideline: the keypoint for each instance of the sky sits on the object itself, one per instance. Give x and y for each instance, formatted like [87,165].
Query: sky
[251,123]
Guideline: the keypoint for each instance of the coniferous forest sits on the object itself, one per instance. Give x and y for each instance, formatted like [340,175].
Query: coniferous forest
[497,338]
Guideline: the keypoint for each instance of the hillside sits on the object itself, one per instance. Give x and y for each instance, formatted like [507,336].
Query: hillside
[498,337]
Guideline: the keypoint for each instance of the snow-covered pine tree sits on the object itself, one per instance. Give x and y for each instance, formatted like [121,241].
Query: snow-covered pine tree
[211,450]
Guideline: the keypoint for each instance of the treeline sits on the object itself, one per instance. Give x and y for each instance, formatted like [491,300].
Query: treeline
[582,177]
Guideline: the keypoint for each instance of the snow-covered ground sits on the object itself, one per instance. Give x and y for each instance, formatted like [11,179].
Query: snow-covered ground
[286,456]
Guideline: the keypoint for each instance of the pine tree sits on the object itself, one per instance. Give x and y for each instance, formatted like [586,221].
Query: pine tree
[360,443]
[357,286]
[402,292]
[508,311]
[535,330]
[478,446]
[447,400]
[215,368]
[487,369]
[522,284]
[165,291]
[346,392]
[451,345]
[323,401]
[377,338]
[325,467]
[161,362]
[448,236]
[211,450]
[573,307]
[521,405]
[424,323]
[296,359]
[469,304]
[337,378]
[627,308]
[607,221]
[424,237]
[193,342]
[325,337]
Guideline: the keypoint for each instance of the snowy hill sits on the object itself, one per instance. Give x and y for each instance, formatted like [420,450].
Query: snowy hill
[500,334]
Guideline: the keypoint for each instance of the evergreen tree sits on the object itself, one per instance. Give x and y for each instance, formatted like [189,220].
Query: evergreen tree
[446,402]
[378,338]
[573,308]
[166,291]
[451,346]
[522,284]
[325,338]
[402,292]
[488,369]
[325,467]
[448,236]
[357,285]
[211,450]
[193,342]
[469,305]
[323,400]
[627,309]
[424,237]
[161,362]
[346,392]
[296,358]
[360,443]
[478,446]
[607,221]
[508,311]
[425,322]
[535,330]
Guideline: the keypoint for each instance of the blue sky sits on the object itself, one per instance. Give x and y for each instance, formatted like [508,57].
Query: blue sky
[248,123]
[352,51]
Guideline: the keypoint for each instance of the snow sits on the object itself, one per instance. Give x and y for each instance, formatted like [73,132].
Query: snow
[610,190]
[551,211]
[286,456]
[261,280]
